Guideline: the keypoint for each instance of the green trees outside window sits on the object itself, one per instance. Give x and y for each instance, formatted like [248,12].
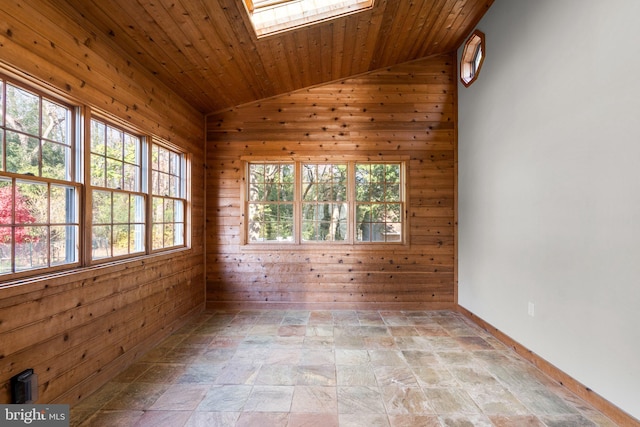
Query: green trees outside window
[271,194]
[169,198]
[118,204]
[39,221]
[58,171]
[347,202]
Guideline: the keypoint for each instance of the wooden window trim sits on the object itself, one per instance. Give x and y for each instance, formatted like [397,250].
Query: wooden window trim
[469,72]
[80,136]
[72,181]
[182,197]
[351,241]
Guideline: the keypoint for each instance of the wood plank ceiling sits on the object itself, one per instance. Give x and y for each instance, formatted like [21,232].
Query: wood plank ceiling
[207,51]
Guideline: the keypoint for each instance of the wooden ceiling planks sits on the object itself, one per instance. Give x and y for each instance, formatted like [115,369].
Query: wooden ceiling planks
[209,54]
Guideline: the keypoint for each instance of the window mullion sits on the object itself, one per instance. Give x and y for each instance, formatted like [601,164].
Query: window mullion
[297,203]
[351,188]
[86,213]
[146,187]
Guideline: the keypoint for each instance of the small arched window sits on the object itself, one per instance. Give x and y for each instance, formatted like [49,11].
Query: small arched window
[472,58]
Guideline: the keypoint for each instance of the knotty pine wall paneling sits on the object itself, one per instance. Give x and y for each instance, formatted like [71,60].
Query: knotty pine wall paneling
[407,111]
[78,329]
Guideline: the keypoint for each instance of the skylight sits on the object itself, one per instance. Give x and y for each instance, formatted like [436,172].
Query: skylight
[273,16]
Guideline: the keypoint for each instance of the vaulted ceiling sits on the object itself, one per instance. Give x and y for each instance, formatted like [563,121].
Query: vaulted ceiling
[207,51]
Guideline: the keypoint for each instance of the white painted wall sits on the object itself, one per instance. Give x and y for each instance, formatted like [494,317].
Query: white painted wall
[549,187]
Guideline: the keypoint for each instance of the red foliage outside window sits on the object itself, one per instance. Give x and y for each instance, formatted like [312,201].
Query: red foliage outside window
[22,216]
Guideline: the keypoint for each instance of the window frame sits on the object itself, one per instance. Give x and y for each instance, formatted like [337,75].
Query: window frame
[469,65]
[182,197]
[91,189]
[72,181]
[271,17]
[74,139]
[351,240]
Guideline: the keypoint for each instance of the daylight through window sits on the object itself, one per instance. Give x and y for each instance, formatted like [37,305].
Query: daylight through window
[273,16]
[127,188]
[349,202]
[39,204]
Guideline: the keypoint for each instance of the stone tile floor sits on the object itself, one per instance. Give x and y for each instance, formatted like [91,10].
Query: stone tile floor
[332,368]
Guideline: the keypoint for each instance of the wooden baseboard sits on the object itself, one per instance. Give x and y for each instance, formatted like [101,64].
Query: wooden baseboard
[270,305]
[585,393]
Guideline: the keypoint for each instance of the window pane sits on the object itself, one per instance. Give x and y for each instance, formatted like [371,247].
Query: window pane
[55,122]
[325,222]
[101,207]
[168,237]
[256,173]
[286,192]
[173,186]
[2,167]
[31,203]
[98,135]
[163,160]
[158,209]
[22,111]
[1,103]
[174,164]
[131,149]
[63,205]
[131,177]
[64,244]
[55,161]
[98,175]
[137,206]
[120,208]
[380,221]
[163,185]
[23,154]
[31,248]
[6,201]
[115,145]
[120,240]
[114,174]
[137,238]
[101,241]
[157,236]
[168,211]
[6,242]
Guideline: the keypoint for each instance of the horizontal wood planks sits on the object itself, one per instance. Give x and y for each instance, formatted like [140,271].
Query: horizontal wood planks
[408,111]
[209,52]
[79,328]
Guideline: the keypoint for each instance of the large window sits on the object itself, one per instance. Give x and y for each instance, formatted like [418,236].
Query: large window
[324,202]
[39,203]
[472,58]
[131,193]
[307,202]
[118,204]
[271,189]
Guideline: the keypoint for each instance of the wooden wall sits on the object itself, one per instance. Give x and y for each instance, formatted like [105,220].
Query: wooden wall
[407,110]
[79,328]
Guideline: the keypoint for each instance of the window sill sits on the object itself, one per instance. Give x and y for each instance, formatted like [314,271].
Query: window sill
[78,273]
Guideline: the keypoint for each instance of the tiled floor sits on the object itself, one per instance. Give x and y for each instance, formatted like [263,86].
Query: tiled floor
[329,368]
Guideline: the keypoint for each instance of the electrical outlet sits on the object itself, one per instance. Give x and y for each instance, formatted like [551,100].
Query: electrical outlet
[532,309]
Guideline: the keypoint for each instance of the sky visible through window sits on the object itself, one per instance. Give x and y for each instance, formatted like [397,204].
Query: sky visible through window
[272,16]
